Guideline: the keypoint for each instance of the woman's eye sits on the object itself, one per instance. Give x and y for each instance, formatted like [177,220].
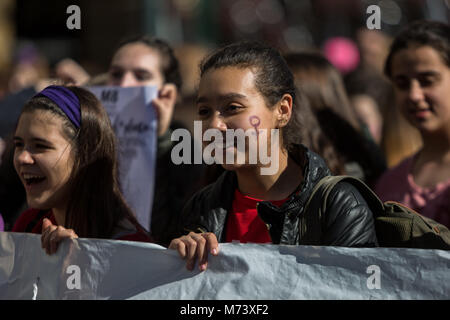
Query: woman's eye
[18,144]
[233,107]
[426,82]
[116,74]
[402,85]
[143,76]
[41,146]
[203,112]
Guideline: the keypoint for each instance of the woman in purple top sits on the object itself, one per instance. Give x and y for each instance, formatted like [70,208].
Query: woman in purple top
[419,66]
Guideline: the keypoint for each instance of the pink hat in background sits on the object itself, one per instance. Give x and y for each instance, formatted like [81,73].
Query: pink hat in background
[342,53]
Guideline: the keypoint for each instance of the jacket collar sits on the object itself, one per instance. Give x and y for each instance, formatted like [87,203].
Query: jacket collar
[314,169]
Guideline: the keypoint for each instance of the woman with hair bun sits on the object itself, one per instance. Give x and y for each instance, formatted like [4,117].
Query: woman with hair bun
[248,85]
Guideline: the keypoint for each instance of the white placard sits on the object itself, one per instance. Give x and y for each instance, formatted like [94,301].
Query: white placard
[135,124]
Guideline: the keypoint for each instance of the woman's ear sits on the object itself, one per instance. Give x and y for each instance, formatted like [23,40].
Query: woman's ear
[284,110]
[164,105]
[169,91]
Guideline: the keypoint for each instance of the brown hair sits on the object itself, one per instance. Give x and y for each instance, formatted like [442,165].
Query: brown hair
[96,204]
[322,84]
[426,33]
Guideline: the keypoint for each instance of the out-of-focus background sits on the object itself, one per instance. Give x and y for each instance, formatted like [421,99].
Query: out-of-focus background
[34,38]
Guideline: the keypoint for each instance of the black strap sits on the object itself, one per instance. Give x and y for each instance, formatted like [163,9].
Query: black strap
[34,222]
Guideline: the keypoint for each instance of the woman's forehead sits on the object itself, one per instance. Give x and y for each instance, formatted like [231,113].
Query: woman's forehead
[136,54]
[41,123]
[416,54]
[228,79]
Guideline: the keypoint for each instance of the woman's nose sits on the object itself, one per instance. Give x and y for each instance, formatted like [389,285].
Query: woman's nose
[217,122]
[128,80]
[24,157]
[415,92]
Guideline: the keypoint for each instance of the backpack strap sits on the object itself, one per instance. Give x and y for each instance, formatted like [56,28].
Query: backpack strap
[311,219]
[316,206]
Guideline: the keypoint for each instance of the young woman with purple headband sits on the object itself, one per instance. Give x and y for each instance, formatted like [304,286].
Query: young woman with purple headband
[65,156]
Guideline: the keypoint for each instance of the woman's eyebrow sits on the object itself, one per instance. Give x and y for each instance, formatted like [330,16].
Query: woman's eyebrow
[40,140]
[35,139]
[141,70]
[115,67]
[430,74]
[228,96]
[426,73]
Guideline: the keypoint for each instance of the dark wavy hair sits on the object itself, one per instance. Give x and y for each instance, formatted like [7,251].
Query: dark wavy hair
[273,78]
[422,32]
[96,204]
[169,63]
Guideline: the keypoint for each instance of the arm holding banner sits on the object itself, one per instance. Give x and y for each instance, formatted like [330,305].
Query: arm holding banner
[196,245]
[52,236]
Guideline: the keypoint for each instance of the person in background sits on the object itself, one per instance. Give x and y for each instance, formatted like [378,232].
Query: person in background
[65,156]
[141,61]
[323,86]
[418,64]
[239,83]
[372,96]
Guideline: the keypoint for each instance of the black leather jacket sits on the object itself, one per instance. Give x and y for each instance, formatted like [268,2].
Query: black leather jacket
[348,220]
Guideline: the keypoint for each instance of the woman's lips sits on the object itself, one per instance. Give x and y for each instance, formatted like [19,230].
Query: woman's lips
[32,181]
[420,113]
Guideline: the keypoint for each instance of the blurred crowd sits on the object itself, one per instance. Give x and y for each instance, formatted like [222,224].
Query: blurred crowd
[350,114]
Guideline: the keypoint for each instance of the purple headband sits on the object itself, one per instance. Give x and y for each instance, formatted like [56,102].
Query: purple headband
[66,100]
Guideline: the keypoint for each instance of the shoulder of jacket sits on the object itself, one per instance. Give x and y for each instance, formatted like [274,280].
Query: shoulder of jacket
[346,200]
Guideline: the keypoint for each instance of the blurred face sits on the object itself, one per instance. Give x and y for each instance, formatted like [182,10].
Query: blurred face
[136,64]
[228,99]
[43,159]
[422,86]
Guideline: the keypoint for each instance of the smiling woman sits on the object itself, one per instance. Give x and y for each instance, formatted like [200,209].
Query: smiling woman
[248,86]
[419,67]
[65,156]
[45,165]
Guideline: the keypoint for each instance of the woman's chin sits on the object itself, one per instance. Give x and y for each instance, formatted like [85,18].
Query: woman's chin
[36,204]
[234,167]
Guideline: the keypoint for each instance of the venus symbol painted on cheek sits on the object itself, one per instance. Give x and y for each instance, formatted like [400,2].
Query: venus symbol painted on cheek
[255,122]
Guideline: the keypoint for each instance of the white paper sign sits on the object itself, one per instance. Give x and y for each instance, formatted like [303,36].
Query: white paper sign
[108,269]
[135,125]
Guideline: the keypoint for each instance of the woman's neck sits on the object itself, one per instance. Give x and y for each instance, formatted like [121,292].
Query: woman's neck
[60,215]
[270,187]
[436,146]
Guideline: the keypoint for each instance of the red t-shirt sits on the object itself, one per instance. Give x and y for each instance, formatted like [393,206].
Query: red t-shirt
[243,222]
[31,221]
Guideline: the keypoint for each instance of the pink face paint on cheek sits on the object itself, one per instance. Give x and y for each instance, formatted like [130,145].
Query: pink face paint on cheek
[255,122]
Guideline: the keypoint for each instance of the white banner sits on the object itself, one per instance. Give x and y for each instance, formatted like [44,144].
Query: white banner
[135,125]
[108,269]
